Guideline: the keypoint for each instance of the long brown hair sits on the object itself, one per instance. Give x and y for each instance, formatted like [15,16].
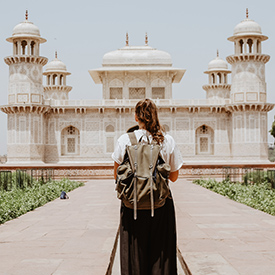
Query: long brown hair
[146,112]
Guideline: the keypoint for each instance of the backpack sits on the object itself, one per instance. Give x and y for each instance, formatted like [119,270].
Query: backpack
[63,195]
[142,177]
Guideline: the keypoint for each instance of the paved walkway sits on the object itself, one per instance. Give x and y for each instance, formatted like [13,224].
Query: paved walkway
[76,236]
[219,236]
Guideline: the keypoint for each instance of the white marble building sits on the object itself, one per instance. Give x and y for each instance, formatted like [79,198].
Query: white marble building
[45,126]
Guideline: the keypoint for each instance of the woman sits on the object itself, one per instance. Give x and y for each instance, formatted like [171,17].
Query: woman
[148,244]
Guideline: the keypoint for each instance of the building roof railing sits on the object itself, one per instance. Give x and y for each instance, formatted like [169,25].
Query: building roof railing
[133,102]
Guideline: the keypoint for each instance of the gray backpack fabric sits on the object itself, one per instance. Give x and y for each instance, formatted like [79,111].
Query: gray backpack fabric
[142,177]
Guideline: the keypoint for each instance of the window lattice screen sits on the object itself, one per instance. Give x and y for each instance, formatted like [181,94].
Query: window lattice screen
[158,92]
[71,145]
[203,144]
[115,93]
[136,93]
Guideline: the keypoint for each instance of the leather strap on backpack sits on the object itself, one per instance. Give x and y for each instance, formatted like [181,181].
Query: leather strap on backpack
[132,138]
[151,181]
[134,142]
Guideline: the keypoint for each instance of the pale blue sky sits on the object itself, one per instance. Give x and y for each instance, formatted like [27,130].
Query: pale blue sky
[83,31]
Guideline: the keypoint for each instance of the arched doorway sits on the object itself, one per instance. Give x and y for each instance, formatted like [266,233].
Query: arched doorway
[110,138]
[70,141]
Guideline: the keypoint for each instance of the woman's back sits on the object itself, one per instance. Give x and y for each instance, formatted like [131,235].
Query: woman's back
[148,244]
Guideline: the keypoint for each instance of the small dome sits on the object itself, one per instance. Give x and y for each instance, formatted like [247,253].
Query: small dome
[133,55]
[55,65]
[26,28]
[248,26]
[217,64]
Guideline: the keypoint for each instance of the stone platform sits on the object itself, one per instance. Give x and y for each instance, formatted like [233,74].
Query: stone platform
[76,236]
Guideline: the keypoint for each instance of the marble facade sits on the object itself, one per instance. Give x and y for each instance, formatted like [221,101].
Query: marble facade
[45,126]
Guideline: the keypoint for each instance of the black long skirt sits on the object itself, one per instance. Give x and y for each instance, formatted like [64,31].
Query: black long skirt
[148,244]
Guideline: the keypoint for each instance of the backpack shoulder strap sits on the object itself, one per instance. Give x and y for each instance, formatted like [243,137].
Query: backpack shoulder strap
[132,138]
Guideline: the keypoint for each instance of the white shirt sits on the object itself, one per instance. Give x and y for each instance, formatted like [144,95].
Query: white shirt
[169,150]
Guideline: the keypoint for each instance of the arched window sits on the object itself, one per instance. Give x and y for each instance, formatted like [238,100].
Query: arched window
[250,45]
[213,78]
[158,92]
[258,46]
[137,89]
[61,80]
[219,78]
[70,141]
[54,79]
[32,47]
[49,79]
[204,140]
[241,46]
[23,44]
[16,47]
[110,128]
[225,78]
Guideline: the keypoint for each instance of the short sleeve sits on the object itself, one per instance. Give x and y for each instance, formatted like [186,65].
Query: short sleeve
[120,148]
[117,156]
[176,160]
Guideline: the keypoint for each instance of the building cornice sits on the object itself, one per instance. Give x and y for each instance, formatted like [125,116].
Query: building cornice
[248,57]
[196,107]
[26,58]
[216,87]
[25,108]
[246,107]
[57,87]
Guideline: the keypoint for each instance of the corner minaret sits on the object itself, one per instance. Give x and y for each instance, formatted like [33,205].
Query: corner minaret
[248,63]
[248,107]
[25,109]
[25,65]
[218,87]
[56,73]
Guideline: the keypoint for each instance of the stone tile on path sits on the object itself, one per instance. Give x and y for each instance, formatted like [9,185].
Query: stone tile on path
[208,263]
[35,266]
[219,236]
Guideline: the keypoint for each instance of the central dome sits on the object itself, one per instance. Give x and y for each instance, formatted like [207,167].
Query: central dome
[137,55]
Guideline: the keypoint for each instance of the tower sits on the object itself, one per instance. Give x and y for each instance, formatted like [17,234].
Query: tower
[56,73]
[218,87]
[25,107]
[248,106]
[248,63]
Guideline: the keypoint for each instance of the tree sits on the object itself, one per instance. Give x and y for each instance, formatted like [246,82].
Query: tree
[272,131]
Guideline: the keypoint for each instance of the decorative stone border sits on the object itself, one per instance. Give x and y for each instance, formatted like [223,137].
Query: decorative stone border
[105,171]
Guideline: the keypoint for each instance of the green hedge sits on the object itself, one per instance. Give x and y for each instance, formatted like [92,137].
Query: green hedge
[259,196]
[19,201]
